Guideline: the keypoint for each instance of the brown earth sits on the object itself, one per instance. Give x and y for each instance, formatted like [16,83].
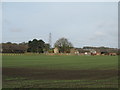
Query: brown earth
[39,74]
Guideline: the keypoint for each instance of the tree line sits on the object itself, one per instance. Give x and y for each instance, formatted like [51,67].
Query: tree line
[13,47]
[36,46]
[39,46]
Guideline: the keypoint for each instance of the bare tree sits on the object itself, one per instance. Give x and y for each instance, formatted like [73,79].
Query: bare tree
[63,45]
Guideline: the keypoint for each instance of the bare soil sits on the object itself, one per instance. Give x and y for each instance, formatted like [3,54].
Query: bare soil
[38,74]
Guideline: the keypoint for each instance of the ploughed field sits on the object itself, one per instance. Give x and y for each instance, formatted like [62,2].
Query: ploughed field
[42,71]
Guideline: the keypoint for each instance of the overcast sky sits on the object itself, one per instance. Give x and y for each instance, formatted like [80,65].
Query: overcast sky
[83,24]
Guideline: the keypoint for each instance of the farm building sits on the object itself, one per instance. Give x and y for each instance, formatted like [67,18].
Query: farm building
[56,50]
[74,51]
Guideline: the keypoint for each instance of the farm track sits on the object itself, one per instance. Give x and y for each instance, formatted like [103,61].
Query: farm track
[38,74]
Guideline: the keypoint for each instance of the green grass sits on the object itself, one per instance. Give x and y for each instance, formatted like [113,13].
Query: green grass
[61,84]
[59,63]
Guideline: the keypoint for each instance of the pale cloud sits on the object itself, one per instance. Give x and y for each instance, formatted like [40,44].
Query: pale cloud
[100,34]
[16,30]
[60,0]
